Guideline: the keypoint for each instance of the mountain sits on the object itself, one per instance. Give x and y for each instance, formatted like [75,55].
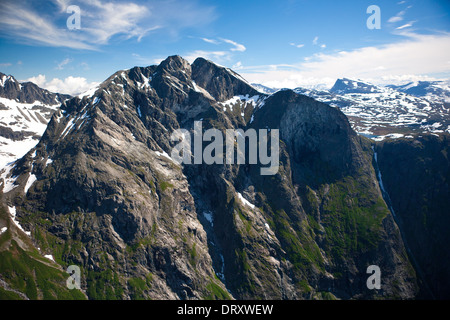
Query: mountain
[345,86]
[101,191]
[263,89]
[384,112]
[437,90]
[25,110]
[139,225]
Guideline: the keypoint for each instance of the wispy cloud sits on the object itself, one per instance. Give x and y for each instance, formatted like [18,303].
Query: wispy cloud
[297,45]
[218,56]
[60,65]
[407,25]
[101,21]
[5,65]
[316,43]
[237,46]
[398,17]
[18,20]
[212,41]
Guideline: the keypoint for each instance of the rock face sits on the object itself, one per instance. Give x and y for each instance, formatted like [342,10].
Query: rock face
[415,174]
[100,191]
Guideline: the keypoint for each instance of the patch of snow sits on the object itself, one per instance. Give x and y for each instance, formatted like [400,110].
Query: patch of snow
[95,101]
[88,93]
[47,162]
[68,127]
[49,256]
[255,101]
[31,179]
[146,83]
[3,230]
[8,183]
[12,211]
[164,154]
[246,202]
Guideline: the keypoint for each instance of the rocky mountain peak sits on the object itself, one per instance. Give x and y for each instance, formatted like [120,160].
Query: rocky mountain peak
[222,83]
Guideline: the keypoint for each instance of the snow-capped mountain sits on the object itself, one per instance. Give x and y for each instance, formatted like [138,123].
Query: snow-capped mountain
[436,90]
[379,111]
[25,110]
[346,86]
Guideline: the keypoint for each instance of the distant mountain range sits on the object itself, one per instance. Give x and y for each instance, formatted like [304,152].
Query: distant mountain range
[380,112]
[100,191]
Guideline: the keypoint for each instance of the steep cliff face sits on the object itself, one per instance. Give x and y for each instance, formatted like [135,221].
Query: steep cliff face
[415,173]
[100,191]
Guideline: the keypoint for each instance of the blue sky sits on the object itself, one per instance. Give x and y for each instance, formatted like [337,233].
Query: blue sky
[284,43]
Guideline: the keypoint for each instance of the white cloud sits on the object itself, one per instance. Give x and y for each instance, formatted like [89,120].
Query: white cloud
[101,21]
[398,17]
[237,66]
[323,46]
[5,65]
[105,20]
[315,40]
[70,85]
[216,56]
[237,46]
[407,25]
[61,65]
[416,56]
[212,41]
[297,45]
[29,26]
